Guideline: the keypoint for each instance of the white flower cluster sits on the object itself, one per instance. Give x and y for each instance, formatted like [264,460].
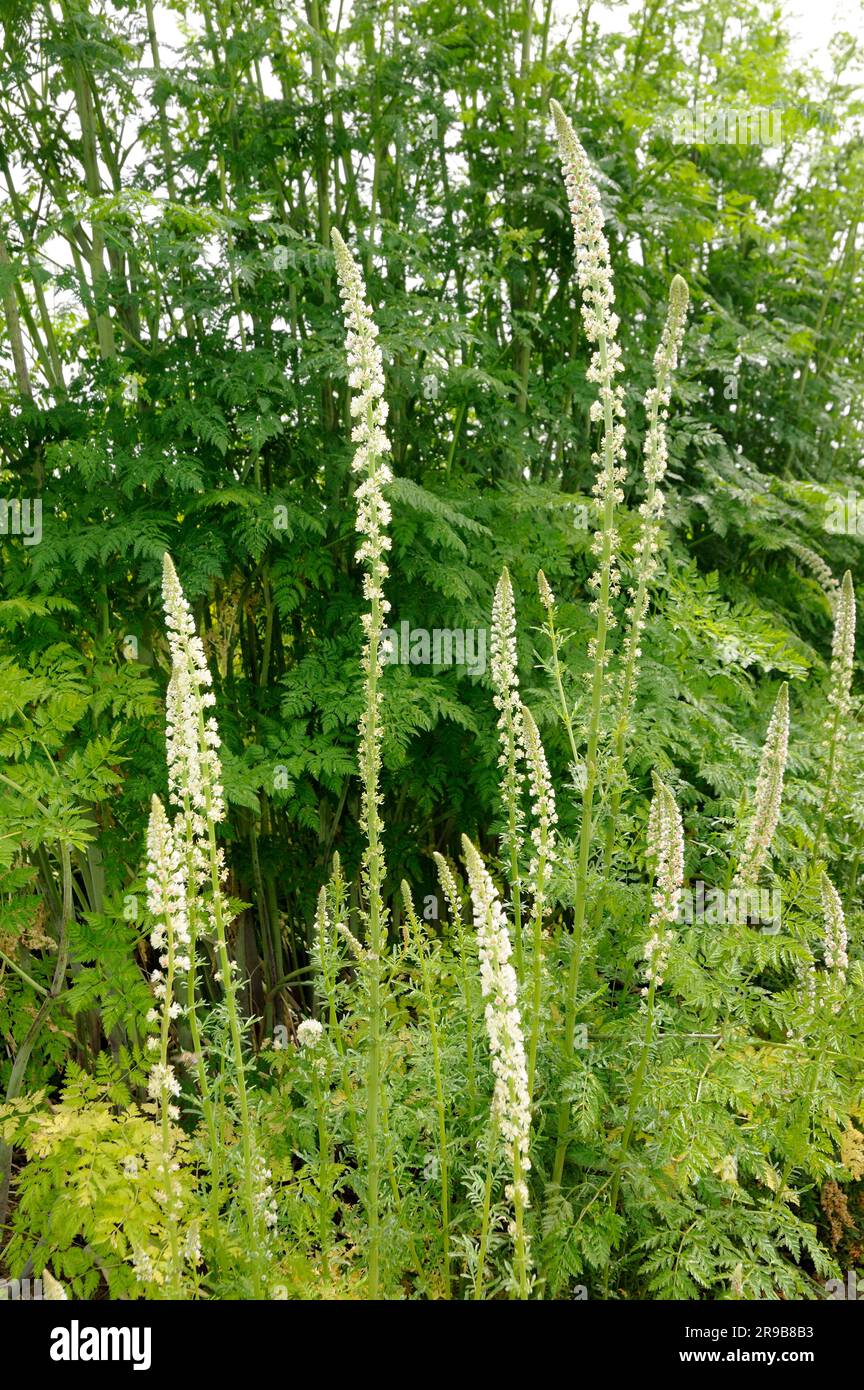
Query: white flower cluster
[594,275]
[842,657]
[265,1200]
[543,809]
[769,794]
[166,900]
[194,768]
[651,510]
[511,1105]
[505,684]
[666,848]
[357,950]
[369,410]
[547,598]
[192,736]
[836,942]
[448,883]
[818,568]
[309,1033]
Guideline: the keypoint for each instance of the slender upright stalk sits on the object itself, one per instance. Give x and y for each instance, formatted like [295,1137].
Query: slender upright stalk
[601,325]
[170,939]
[505,683]
[511,1105]
[195,777]
[543,839]
[369,410]
[451,892]
[651,512]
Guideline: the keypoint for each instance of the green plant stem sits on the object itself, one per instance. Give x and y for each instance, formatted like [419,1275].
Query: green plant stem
[34,984]
[175,1278]
[484,1226]
[373,961]
[597,684]
[636,1091]
[420,951]
[226,971]
[324,1165]
[192,1003]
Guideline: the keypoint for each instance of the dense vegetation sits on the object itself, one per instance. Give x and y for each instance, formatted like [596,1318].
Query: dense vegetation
[254,1044]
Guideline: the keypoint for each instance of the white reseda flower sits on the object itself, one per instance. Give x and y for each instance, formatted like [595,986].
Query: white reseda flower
[510,1104]
[192,734]
[369,410]
[666,848]
[542,808]
[594,276]
[505,684]
[651,510]
[769,794]
[839,700]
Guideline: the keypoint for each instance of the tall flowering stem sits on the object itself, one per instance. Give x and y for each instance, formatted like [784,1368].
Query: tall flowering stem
[540,869]
[195,784]
[511,1103]
[839,700]
[769,794]
[594,275]
[190,836]
[666,849]
[166,900]
[369,412]
[505,683]
[656,455]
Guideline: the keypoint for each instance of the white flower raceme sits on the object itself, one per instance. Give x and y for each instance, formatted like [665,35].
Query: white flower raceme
[839,697]
[594,276]
[542,808]
[817,567]
[769,794]
[547,598]
[651,509]
[449,885]
[195,785]
[843,654]
[511,1106]
[309,1033]
[354,946]
[666,848]
[166,900]
[265,1200]
[836,957]
[505,680]
[511,735]
[369,410]
[192,735]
